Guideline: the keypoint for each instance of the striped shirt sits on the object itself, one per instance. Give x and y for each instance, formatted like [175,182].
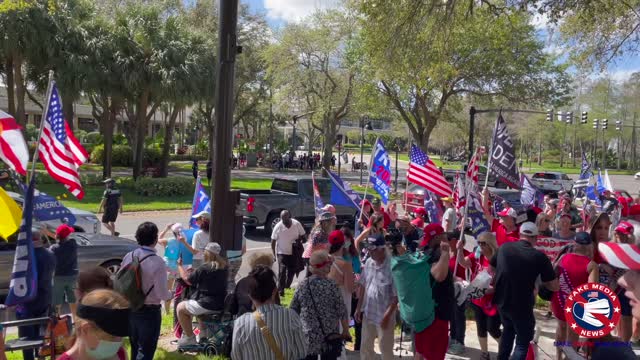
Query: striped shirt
[285,326]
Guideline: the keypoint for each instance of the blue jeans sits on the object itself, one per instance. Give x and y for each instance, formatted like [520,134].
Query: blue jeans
[144,328]
[519,327]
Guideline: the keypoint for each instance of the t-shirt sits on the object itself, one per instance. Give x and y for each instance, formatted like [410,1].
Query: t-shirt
[285,236]
[443,292]
[450,217]
[573,273]
[379,289]
[486,302]
[459,270]
[502,236]
[66,253]
[200,241]
[112,197]
[172,253]
[518,265]
[210,286]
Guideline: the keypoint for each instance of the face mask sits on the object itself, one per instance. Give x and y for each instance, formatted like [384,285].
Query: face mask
[347,244]
[105,349]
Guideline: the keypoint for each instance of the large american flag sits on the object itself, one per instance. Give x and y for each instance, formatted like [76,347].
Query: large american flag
[423,172]
[59,150]
[473,169]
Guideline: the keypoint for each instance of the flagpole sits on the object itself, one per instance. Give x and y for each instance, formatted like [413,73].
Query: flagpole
[364,198]
[406,186]
[45,111]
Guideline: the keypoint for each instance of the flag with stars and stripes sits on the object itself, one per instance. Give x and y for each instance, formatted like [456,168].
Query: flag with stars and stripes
[585,174]
[59,150]
[423,172]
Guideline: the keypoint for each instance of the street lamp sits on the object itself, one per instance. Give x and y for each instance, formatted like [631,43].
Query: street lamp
[364,123]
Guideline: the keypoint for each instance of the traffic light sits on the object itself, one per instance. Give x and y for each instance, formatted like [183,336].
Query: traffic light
[549,115]
[568,117]
[596,122]
[584,118]
[605,124]
[618,125]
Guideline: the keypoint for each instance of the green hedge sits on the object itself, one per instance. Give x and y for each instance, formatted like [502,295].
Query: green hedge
[186,157]
[122,154]
[172,186]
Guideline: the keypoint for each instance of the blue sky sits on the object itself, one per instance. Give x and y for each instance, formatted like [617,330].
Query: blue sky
[279,12]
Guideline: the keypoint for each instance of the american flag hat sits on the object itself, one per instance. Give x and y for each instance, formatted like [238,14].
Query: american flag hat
[623,256]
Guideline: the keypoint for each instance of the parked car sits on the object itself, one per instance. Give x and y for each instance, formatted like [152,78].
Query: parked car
[85,221]
[510,196]
[263,207]
[93,250]
[552,181]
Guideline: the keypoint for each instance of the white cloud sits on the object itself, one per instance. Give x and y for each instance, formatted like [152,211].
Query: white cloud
[622,75]
[295,10]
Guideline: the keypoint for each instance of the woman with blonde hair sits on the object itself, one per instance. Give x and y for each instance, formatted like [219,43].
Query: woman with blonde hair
[543,223]
[209,282]
[485,311]
[102,323]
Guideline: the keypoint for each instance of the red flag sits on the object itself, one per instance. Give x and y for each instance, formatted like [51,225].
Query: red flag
[13,148]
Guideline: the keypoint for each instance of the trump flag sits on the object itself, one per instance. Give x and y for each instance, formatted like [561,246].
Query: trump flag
[201,202]
[380,175]
[24,276]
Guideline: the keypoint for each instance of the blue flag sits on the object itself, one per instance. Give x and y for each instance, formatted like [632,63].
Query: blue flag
[24,277]
[46,207]
[342,193]
[431,206]
[479,223]
[600,186]
[530,195]
[380,175]
[201,202]
[591,194]
[317,197]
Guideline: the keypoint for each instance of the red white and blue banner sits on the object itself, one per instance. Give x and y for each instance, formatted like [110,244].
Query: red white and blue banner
[24,276]
[201,202]
[342,193]
[380,175]
[317,198]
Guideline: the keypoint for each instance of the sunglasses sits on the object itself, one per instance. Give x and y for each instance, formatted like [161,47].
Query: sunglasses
[546,220]
[482,243]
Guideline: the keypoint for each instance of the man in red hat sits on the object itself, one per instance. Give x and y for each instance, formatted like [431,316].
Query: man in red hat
[506,228]
[420,215]
[432,343]
[64,280]
[624,233]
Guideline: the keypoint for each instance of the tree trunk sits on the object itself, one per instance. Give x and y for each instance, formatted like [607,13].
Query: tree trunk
[140,133]
[20,90]
[329,142]
[109,119]
[67,109]
[168,139]
[11,97]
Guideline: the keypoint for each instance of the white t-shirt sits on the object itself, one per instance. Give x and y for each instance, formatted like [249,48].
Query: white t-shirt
[285,237]
[450,218]
[200,241]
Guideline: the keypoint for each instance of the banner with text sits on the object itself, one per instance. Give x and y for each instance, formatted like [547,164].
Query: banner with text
[502,162]
[551,246]
[381,171]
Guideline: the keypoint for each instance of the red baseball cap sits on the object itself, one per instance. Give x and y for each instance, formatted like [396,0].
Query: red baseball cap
[420,211]
[508,212]
[431,231]
[336,237]
[63,231]
[365,202]
[624,228]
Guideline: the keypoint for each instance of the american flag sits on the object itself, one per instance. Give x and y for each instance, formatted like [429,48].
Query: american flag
[473,168]
[459,195]
[59,150]
[423,172]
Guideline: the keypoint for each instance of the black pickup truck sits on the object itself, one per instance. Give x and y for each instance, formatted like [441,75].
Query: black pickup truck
[263,207]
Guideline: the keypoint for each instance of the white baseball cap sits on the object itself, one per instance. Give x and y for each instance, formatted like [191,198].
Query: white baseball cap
[204,214]
[176,228]
[213,248]
[508,212]
[529,229]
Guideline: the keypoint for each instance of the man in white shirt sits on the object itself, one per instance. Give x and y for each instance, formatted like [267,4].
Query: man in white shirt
[449,219]
[284,234]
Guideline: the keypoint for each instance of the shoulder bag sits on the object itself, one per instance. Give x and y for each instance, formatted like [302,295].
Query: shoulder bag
[266,333]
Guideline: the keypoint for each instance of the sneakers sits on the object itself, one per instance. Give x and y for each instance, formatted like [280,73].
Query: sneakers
[485,356]
[455,348]
[187,341]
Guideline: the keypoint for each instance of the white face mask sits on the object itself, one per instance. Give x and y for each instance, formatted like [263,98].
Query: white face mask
[105,349]
[347,244]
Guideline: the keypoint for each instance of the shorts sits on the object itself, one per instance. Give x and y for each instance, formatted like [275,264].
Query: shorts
[63,289]
[195,309]
[109,216]
[432,342]
[625,305]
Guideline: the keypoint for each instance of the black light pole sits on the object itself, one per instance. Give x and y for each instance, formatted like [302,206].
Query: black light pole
[363,124]
[224,201]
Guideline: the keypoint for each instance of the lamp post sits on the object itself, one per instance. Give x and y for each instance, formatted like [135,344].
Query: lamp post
[364,123]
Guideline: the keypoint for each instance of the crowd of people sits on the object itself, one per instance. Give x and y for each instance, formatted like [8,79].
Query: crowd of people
[396,270]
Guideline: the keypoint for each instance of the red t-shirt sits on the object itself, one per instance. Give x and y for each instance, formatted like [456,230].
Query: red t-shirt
[417,222]
[485,302]
[502,236]
[121,355]
[460,270]
[573,274]
[624,205]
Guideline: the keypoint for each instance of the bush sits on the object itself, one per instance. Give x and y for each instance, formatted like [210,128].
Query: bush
[152,157]
[94,138]
[120,155]
[172,186]
[199,157]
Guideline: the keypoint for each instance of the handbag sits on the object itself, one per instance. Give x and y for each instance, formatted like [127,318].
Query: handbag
[271,341]
[333,342]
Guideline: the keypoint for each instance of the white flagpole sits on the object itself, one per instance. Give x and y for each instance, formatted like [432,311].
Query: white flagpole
[45,111]
[368,177]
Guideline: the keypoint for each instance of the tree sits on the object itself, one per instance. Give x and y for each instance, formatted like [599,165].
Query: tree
[481,55]
[310,65]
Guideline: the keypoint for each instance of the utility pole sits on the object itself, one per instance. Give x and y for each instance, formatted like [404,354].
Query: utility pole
[224,229]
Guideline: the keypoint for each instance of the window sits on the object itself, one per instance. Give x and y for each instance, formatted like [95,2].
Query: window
[87,124]
[284,185]
[545,176]
[565,177]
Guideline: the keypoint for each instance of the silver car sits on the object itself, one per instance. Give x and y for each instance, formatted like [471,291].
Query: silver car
[93,250]
[85,221]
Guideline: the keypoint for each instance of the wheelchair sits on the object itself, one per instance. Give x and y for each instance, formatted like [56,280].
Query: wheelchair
[214,337]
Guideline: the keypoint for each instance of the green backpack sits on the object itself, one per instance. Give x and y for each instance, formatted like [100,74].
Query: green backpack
[411,276]
[128,282]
